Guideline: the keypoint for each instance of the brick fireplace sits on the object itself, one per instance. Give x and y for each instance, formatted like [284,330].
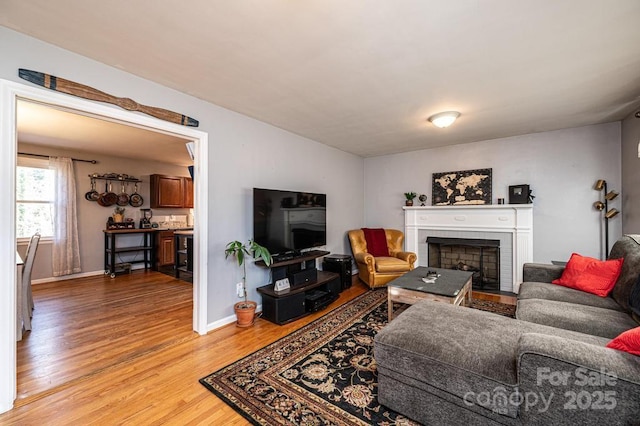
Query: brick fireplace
[510,226]
[477,255]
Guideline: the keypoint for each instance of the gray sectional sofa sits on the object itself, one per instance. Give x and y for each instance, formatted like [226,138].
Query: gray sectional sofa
[440,364]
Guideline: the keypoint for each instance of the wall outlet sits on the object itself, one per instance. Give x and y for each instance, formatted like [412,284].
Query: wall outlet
[240,290]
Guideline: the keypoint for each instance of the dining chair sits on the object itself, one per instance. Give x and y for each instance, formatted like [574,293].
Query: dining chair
[27,296]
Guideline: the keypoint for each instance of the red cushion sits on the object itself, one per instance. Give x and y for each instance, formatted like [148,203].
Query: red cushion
[590,275]
[629,341]
[376,241]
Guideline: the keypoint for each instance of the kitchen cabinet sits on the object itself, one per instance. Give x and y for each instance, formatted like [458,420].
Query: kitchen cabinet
[171,192]
[188,193]
[165,248]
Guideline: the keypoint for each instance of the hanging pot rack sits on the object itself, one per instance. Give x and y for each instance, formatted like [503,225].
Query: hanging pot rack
[115,177]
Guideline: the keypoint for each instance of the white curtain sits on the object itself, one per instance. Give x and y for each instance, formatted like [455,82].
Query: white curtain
[66,251]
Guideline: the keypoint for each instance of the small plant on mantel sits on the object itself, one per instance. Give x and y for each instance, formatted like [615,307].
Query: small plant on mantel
[410,196]
[245,311]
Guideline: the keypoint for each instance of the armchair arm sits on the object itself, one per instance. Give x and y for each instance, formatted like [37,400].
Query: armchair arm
[367,259]
[541,272]
[588,383]
[407,256]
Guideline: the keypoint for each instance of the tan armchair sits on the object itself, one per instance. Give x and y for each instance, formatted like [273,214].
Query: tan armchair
[378,271]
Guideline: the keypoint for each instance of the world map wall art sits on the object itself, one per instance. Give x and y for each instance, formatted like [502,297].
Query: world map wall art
[462,188]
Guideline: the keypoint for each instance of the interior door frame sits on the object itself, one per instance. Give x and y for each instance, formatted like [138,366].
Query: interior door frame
[10,92]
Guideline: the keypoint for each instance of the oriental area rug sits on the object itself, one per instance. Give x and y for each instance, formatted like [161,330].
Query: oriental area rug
[322,374]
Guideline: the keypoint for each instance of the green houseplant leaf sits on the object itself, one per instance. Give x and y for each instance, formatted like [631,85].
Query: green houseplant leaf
[410,195]
[240,250]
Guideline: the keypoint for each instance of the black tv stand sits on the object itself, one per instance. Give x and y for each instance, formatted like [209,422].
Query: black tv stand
[310,290]
[290,255]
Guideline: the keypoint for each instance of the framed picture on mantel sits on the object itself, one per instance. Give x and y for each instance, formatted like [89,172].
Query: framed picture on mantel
[467,187]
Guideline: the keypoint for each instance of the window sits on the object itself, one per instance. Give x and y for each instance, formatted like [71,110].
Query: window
[35,192]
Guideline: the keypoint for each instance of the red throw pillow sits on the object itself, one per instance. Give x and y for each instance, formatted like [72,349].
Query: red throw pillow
[629,341]
[590,275]
[376,241]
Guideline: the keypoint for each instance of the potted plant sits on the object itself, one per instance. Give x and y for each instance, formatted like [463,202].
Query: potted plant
[410,196]
[246,310]
[118,214]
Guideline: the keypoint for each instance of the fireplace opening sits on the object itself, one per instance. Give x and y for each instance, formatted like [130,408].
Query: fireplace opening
[480,256]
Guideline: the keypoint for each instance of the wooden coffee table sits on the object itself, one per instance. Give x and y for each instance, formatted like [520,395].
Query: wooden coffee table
[451,286]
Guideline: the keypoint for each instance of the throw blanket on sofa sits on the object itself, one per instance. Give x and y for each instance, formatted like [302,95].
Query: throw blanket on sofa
[376,241]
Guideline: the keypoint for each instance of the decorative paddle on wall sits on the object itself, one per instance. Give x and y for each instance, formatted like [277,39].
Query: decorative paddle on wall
[80,90]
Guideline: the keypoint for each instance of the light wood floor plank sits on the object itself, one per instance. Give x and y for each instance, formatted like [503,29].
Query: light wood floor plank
[122,351]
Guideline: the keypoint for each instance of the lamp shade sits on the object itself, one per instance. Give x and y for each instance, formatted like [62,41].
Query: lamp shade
[444,119]
[599,205]
[599,185]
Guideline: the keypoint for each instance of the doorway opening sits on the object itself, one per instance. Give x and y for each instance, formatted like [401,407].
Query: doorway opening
[11,93]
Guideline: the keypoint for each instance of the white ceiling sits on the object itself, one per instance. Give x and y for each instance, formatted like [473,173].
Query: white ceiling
[363,75]
[40,124]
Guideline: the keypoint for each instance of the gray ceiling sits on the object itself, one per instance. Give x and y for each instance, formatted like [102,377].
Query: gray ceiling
[363,75]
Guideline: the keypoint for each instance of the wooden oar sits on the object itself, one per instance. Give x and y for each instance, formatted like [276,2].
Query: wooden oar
[72,88]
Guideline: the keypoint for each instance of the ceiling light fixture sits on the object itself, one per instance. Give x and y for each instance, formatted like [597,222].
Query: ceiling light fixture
[444,119]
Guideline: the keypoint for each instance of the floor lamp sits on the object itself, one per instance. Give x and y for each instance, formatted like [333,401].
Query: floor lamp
[601,185]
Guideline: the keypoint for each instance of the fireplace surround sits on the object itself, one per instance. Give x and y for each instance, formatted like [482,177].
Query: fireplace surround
[510,223]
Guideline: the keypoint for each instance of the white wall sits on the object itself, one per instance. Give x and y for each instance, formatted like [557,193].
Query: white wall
[630,175]
[560,166]
[243,153]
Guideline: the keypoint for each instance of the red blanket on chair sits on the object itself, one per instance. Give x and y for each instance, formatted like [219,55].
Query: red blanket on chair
[376,241]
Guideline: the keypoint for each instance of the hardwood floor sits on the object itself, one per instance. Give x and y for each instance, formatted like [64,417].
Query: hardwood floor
[122,351]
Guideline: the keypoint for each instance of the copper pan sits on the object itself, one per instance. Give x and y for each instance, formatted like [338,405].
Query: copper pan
[108,198]
[123,197]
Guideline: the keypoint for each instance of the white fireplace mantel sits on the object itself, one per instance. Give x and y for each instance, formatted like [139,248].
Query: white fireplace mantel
[514,219]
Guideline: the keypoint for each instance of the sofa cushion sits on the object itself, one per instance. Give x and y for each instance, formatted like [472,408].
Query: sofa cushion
[627,247]
[391,264]
[590,275]
[571,316]
[459,350]
[548,291]
[629,341]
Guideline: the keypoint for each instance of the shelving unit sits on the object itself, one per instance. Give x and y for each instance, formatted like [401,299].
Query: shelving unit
[183,256]
[148,248]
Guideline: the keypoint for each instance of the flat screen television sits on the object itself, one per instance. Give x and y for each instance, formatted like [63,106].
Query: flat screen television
[287,222]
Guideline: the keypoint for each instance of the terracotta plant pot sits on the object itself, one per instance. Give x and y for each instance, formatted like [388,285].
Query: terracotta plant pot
[408,203]
[245,313]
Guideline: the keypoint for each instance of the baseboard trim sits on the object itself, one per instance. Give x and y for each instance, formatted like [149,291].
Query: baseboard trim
[227,320]
[72,276]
